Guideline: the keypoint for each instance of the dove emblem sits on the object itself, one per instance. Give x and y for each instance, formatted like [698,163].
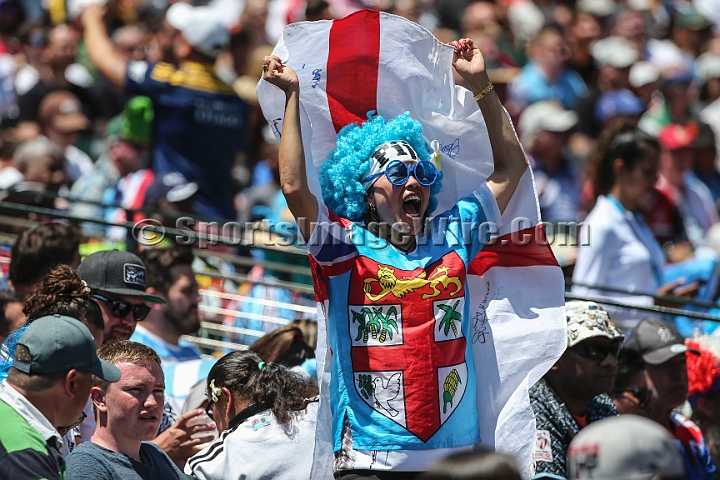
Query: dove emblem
[386,392]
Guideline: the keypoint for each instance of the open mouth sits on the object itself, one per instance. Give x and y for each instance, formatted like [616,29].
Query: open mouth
[411,205]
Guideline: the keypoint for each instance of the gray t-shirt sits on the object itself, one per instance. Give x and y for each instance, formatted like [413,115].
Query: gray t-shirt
[90,461]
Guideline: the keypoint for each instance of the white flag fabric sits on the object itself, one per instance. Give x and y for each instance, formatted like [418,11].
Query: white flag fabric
[371,61]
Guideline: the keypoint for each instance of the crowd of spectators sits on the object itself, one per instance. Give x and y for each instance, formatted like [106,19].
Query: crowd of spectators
[107,109]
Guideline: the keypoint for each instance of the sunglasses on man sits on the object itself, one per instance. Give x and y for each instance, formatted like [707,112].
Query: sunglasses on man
[120,308]
[596,351]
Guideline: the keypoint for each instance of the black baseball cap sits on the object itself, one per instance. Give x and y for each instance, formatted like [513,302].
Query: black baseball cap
[58,344]
[657,341]
[113,271]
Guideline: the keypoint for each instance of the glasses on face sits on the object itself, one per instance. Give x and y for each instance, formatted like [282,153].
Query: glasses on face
[82,418]
[120,308]
[398,173]
[596,351]
[642,395]
[208,409]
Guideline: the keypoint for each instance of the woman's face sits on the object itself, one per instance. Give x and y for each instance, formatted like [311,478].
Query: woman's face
[402,207]
[637,182]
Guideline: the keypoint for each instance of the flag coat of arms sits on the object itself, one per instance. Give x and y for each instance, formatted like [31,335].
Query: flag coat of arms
[514,327]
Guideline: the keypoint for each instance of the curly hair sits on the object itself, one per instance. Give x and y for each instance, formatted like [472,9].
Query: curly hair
[62,292]
[341,174]
[272,386]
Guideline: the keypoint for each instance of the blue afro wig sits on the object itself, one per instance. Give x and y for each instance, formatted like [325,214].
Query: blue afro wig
[341,175]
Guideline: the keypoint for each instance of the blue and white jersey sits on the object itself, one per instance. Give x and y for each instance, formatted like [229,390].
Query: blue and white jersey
[402,373]
[182,352]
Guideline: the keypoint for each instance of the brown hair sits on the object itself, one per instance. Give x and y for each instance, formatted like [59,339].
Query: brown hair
[284,345]
[309,329]
[159,261]
[62,292]
[124,351]
[39,249]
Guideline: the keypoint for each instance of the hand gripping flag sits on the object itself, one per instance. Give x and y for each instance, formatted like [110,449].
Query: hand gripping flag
[371,61]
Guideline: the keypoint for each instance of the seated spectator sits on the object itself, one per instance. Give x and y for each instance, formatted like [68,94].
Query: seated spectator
[631,393]
[545,76]
[703,387]
[573,393]
[665,355]
[690,195]
[57,70]
[263,411]
[41,162]
[47,386]
[623,253]
[38,250]
[118,283]
[127,138]
[644,81]
[628,447]
[11,315]
[128,415]
[61,121]
[476,465]
[169,276]
[544,130]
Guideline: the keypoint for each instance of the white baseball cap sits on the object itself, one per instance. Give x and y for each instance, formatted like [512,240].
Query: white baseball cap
[545,116]
[707,66]
[615,51]
[200,27]
[643,73]
[627,447]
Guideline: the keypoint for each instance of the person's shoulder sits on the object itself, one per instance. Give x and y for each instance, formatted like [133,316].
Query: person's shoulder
[16,434]
[601,407]
[161,460]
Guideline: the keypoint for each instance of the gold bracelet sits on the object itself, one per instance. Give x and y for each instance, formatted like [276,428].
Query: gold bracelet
[485,91]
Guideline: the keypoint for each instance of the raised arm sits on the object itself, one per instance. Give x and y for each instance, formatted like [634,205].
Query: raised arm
[100,48]
[293,177]
[510,163]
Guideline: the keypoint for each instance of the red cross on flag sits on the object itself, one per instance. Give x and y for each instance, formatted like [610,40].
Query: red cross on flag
[371,61]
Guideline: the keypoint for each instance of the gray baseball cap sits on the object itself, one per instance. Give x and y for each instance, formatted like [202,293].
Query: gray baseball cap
[627,447]
[58,344]
[113,271]
[657,341]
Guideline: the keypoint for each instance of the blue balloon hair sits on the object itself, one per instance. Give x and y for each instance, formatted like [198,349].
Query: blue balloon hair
[341,175]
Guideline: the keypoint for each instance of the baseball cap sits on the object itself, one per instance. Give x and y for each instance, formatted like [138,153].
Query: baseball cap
[676,136]
[689,18]
[200,27]
[542,116]
[113,271]
[62,111]
[588,320]
[615,51]
[616,103]
[599,8]
[707,66]
[172,186]
[657,341]
[643,73]
[626,447]
[59,344]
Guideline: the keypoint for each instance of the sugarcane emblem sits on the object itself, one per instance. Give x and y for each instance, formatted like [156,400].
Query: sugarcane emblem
[450,385]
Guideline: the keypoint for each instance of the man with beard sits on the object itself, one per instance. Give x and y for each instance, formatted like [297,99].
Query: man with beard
[665,355]
[118,283]
[170,277]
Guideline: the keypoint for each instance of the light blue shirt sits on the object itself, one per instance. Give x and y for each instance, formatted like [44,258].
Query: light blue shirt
[532,85]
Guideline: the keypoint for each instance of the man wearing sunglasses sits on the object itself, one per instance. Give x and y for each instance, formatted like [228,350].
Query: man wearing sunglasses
[118,283]
[573,393]
[665,354]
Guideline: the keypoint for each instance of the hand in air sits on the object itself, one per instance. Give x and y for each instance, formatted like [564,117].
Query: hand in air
[467,60]
[278,74]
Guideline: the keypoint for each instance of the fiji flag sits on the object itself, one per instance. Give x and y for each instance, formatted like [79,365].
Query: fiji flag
[371,61]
